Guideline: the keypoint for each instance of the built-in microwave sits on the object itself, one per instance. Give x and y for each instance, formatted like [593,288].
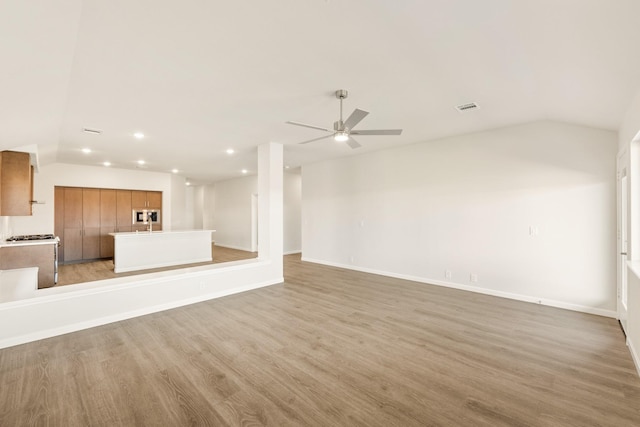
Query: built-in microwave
[145,216]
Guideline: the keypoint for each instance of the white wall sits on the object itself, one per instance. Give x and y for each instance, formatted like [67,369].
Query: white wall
[178,202]
[466,205]
[630,140]
[232,214]
[292,188]
[198,207]
[227,207]
[208,207]
[60,174]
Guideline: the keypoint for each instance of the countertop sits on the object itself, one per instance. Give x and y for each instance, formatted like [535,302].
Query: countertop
[146,233]
[5,244]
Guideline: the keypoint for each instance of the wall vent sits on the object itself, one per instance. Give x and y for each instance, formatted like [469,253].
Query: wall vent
[92,131]
[466,107]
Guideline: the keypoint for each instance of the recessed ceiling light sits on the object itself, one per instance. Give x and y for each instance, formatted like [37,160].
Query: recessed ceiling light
[174,171]
[86,150]
[139,135]
[230,151]
[188,183]
[107,164]
[244,171]
[141,162]
[287,166]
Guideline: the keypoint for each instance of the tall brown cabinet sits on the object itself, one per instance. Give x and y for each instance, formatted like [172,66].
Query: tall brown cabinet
[84,217]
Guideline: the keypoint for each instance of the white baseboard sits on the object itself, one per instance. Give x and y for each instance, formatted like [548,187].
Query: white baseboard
[634,354]
[239,248]
[295,251]
[485,291]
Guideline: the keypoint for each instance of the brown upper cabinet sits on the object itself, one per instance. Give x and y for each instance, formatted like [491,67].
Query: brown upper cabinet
[146,199]
[16,183]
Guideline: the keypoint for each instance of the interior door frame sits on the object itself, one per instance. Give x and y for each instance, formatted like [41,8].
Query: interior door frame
[623,235]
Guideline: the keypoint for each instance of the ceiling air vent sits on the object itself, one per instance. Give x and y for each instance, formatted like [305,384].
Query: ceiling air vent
[92,131]
[466,107]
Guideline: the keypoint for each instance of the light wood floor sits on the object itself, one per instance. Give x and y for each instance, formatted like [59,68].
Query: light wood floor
[330,347]
[69,274]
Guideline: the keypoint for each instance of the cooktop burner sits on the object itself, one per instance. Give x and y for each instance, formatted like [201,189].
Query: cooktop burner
[31,237]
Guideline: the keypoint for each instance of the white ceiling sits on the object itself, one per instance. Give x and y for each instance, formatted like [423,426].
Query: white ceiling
[198,76]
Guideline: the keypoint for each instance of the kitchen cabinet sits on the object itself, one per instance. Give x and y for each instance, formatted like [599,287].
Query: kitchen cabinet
[124,217]
[16,183]
[108,217]
[85,217]
[72,233]
[31,254]
[146,199]
[90,223]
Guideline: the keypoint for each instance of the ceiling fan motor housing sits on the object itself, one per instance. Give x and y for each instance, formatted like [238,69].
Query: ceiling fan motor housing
[338,126]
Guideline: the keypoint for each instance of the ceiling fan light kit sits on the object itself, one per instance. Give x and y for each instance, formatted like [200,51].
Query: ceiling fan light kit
[341,136]
[343,130]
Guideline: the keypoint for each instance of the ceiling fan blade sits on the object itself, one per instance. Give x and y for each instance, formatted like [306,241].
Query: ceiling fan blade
[355,118]
[377,132]
[315,139]
[309,126]
[353,143]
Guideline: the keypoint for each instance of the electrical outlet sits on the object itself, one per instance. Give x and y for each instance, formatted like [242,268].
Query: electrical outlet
[473,278]
[447,274]
[351,259]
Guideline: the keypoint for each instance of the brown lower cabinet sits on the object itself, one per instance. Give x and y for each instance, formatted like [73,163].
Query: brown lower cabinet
[41,256]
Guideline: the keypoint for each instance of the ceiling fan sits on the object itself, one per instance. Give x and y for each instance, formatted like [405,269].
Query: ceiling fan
[343,130]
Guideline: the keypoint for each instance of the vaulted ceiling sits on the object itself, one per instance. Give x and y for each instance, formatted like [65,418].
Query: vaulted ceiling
[198,77]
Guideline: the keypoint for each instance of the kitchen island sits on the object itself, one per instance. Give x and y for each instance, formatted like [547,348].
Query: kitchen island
[145,250]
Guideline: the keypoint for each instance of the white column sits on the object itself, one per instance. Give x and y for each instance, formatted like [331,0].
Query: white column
[270,207]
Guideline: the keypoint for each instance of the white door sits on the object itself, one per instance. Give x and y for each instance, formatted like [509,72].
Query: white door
[623,240]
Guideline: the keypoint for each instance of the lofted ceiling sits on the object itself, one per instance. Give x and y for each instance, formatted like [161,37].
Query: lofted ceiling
[198,77]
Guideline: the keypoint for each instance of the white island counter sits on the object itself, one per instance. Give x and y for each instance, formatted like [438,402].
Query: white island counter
[144,250]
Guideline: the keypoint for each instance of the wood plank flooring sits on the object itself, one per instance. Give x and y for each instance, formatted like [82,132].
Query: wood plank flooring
[330,347]
[69,274]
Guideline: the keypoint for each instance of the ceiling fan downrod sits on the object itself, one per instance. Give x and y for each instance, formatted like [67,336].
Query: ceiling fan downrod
[339,125]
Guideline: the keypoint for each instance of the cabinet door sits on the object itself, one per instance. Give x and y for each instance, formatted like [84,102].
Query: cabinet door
[72,207]
[91,223]
[108,217]
[72,235]
[138,199]
[154,199]
[108,212]
[106,241]
[124,216]
[16,184]
[91,243]
[72,244]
